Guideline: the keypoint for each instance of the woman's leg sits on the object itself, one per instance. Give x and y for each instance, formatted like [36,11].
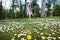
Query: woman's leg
[32,14]
[29,15]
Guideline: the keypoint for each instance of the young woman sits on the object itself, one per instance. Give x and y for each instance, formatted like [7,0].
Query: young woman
[31,12]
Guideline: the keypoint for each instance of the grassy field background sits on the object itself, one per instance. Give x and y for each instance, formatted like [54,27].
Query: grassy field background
[39,28]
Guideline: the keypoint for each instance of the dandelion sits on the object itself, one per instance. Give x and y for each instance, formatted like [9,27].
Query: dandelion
[29,37]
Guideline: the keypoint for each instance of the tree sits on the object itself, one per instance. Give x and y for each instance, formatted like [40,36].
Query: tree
[21,9]
[13,8]
[25,9]
[37,11]
[48,6]
[53,2]
[43,14]
[1,9]
[14,5]
[56,11]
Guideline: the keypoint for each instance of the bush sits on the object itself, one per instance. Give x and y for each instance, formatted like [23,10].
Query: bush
[56,11]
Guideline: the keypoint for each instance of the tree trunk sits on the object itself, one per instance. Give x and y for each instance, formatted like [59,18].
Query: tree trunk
[13,8]
[1,10]
[25,8]
[43,14]
[21,14]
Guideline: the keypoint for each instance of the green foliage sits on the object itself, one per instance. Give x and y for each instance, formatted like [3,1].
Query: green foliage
[1,11]
[37,11]
[4,13]
[48,5]
[5,36]
[17,15]
[56,11]
[9,14]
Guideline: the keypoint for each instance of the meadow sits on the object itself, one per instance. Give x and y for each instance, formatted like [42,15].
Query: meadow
[39,28]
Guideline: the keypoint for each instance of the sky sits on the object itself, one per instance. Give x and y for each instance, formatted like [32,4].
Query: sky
[7,3]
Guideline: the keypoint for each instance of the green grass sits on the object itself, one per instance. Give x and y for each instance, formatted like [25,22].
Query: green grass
[38,28]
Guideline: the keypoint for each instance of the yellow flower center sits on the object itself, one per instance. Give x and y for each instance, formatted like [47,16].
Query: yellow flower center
[29,37]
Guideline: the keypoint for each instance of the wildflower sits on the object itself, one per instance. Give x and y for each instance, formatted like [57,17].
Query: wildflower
[54,38]
[46,33]
[58,32]
[49,37]
[15,34]
[53,33]
[29,37]
[49,34]
[46,27]
[40,28]
[22,38]
[59,25]
[59,29]
[19,35]
[12,38]
[37,32]
[58,37]
[51,30]
[34,39]
[0,28]
[43,37]
[41,33]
